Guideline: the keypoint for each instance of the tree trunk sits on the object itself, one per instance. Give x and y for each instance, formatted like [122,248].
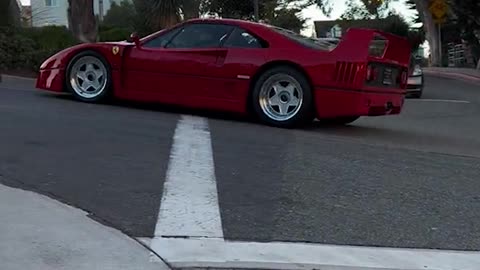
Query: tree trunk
[431,30]
[477,35]
[9,13]
[82,21]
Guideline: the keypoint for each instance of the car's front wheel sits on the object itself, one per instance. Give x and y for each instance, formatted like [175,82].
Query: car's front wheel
[282,97]
[88,77]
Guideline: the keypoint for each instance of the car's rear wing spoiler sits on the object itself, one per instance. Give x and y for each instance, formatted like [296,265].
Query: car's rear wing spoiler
[359,44]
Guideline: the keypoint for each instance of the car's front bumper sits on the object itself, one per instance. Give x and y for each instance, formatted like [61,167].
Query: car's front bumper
[51,80]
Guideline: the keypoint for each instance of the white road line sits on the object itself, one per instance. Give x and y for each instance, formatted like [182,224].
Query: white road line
[217,253]
[189,232]
[189,206]
[440,100]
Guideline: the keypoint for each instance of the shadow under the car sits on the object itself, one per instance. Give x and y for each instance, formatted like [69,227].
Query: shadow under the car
[158,107]
[351,130]
[356,129]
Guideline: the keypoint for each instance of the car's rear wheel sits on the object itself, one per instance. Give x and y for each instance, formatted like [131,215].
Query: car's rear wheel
[88,77]
[339,120]
[282,97]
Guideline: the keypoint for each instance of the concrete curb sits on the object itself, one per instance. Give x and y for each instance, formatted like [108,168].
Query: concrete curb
[38,232]
[15,77]
[216,253]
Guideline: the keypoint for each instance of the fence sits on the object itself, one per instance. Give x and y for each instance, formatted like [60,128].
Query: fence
[459,55]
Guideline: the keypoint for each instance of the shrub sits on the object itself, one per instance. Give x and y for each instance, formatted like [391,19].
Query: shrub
[16,51]
[27,48]
[49,37]
[114,34]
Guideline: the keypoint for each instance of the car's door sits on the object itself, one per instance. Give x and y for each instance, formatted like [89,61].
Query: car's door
[180,65]
[246,53]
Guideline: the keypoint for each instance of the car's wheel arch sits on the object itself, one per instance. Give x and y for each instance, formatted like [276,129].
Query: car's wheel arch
[269,65]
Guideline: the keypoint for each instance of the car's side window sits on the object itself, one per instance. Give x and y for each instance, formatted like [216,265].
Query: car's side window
[200,36]
[242,39]
[162,40]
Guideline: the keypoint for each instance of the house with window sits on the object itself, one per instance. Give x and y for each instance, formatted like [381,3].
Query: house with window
[54,12]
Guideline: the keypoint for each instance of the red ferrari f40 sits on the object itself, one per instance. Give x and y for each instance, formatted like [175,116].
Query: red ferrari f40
[283,78]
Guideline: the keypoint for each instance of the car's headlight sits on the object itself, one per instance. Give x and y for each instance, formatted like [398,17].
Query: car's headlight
[417,71]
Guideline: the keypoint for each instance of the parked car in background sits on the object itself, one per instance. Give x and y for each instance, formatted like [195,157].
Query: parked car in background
[416,82]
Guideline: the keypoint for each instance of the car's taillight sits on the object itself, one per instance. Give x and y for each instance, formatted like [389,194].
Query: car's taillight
[371,73]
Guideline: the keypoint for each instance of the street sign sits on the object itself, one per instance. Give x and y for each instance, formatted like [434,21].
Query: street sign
[439,9]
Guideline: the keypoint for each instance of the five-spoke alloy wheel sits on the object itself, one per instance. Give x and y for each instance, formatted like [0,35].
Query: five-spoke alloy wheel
[282,97]
[88,77]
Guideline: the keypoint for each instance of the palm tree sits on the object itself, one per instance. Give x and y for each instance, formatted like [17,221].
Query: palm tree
[162,13]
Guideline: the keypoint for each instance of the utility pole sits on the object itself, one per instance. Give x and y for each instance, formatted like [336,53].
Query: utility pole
[255,10]
[100,9]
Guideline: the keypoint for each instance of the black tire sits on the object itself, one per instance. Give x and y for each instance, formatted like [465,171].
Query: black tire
[305,113]
[339,121]
[106,91]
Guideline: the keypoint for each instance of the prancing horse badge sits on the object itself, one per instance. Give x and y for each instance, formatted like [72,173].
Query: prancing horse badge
[115,50]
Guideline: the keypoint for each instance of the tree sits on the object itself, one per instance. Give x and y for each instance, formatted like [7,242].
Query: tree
[82,21]
[120,15]
[355,11]
[190,8]
[282,13]
[289,19]
[390,21]
[163,13]
[9,13]
[154,15]
[412,6]
[366,9]
[230,8]
[431,30]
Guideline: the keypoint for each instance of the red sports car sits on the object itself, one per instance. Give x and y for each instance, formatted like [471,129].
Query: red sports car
[282,77]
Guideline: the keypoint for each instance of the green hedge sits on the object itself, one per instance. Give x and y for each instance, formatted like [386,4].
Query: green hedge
[26,48]
[113,33]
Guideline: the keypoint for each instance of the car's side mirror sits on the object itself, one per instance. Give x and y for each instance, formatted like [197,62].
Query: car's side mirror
[135,39]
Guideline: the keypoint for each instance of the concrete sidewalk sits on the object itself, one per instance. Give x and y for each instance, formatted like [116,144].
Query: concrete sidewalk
[39,233]
[465,74]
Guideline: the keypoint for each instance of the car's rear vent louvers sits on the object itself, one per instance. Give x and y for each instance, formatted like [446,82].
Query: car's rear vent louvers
[346,72]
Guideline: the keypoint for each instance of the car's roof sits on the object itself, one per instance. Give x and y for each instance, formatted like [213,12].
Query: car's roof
[226,21]
[250,25]
[262,30]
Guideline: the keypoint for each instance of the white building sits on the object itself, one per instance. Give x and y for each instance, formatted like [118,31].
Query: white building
[54,12]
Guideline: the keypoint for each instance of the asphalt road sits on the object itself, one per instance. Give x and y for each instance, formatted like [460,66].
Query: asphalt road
[402,181]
